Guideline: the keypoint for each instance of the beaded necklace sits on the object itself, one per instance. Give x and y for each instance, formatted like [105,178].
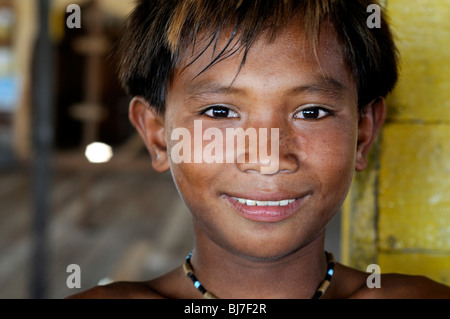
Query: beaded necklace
[189,272]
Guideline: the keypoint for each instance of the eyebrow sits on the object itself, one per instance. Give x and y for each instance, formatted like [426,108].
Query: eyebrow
[204,87]
[328,86]
[324,85]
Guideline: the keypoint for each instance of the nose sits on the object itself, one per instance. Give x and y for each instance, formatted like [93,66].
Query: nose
[274,152]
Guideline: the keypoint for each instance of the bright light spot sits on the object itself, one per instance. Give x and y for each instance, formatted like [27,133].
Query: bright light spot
[105,281]
[98,152]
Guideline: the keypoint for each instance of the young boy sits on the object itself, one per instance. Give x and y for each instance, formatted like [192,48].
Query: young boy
[313,76]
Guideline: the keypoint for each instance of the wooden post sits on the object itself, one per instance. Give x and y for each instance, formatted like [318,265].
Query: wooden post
[43,137]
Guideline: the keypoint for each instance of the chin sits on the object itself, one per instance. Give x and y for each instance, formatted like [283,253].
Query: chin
[270,249]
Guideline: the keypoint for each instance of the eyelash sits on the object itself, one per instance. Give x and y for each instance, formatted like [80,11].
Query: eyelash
[323,112]
[223,108]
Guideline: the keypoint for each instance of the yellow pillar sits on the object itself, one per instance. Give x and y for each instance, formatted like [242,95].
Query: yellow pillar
[408,224]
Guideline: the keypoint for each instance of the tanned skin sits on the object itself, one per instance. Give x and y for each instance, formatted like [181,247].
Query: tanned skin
[235,257]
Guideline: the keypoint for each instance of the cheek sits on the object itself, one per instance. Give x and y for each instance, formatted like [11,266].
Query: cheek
[194,181]
[331,156]
[191,176]
[191,181]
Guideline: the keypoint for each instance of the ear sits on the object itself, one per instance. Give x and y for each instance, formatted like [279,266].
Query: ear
[150,126]
[369,126]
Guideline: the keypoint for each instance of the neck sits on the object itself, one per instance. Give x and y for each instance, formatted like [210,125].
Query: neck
[229,276]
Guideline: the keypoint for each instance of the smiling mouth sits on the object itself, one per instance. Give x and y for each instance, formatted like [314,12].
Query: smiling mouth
[265,210]
[252,202]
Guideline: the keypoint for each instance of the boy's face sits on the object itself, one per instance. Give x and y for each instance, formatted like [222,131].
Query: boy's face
[281,85]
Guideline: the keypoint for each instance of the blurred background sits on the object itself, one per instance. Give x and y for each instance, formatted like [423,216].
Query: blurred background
[106,210]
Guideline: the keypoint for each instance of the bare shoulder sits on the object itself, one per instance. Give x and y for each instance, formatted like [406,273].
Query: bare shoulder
[119,290]
[398,286]
[162,287]
[352,283]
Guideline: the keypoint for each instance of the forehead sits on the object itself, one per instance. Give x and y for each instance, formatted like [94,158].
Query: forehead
[291,57]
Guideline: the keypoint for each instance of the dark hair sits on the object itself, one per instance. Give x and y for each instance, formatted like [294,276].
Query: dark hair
[158,32]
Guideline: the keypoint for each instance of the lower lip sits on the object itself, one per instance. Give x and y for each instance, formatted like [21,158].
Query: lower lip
[268,214]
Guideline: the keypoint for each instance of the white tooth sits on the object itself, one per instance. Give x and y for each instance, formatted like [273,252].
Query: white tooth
[250,202]
[284,202]
[261,203]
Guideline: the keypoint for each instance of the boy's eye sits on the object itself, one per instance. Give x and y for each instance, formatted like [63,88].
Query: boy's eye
[219,111]
[312,113]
